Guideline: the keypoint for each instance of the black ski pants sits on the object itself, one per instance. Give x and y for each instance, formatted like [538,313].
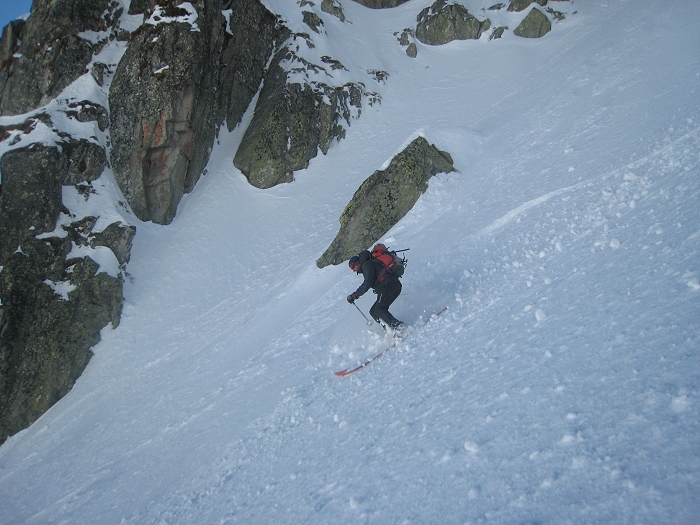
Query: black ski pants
[380,309]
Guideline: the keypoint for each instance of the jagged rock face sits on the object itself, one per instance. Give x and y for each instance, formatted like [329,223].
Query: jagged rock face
[85,161]
[79,160]
[534,25]
[9,41]
[332,7]
[521,5]
[45,338]
[442,23]
[290,124]
[243,63]
[44,55]
[384,198]
[86,111]
[30,201]
[173,88]
[313,21]
[52,309]
[380,4]
[118,238]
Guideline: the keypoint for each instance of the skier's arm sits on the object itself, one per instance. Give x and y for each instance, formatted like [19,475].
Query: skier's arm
[370,274]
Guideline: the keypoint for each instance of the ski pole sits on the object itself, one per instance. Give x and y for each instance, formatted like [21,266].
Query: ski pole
[363,315]
[370,324]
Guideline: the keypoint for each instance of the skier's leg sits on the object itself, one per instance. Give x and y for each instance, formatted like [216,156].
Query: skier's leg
[380,309]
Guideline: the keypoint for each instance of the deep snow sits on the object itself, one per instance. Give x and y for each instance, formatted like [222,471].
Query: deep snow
[562,386]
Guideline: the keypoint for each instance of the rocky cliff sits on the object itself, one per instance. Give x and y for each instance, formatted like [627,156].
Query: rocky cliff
[292,121]
[186,71]
[45,54]
[61,270]
[302,108]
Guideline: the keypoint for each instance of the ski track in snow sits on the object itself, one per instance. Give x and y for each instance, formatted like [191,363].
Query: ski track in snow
[561,386]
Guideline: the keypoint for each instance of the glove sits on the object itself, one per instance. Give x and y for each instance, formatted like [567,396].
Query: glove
[352,298]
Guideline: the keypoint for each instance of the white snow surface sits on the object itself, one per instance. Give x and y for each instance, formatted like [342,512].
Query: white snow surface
[158,16]
[562,385]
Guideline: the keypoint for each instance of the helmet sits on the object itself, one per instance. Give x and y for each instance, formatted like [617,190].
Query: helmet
[354,263]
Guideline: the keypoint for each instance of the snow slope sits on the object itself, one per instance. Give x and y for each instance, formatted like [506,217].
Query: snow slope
[562,386]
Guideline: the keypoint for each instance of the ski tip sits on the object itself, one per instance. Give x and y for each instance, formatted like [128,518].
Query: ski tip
[342,373]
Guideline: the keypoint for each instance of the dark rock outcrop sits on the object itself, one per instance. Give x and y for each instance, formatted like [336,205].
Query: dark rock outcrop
[86,111]
[521,5]
[53,308]
[312,20]
[30,201]
[332,7]
[534,25]
[384,198]
[407,39]
[442,23]
[380,4]
[85,161]
[498,32]
[172,90]
[45,340]
[44,55]
[292,122]
[117,237]
[9,41]
[53,305]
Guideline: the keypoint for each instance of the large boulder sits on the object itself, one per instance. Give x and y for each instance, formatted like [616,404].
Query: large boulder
[175,85]
[53,307]
[43,56]
[534,25]
[385,198]
[444,22]
[292,122]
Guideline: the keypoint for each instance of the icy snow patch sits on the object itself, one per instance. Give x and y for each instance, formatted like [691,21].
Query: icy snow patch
[158,16]
[61,288]
[227,16]
[102,255]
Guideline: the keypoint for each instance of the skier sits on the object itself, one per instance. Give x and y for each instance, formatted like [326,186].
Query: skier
[384,283]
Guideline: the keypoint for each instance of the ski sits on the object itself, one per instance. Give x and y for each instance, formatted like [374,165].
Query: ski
[394,344]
